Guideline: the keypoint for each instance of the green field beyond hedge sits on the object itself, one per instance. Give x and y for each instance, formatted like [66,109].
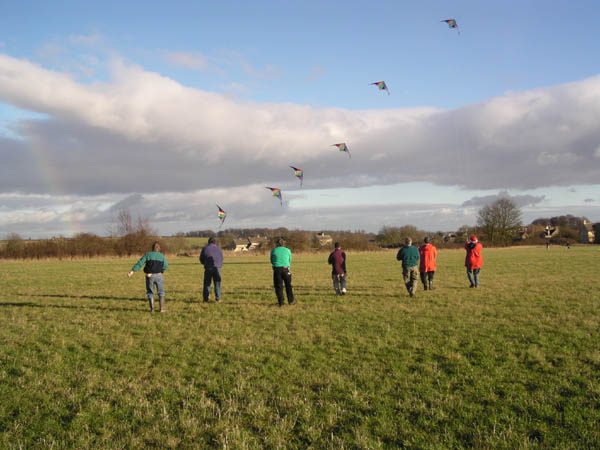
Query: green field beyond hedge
[514,364]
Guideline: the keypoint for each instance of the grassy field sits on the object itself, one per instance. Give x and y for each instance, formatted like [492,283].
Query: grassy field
[514,364]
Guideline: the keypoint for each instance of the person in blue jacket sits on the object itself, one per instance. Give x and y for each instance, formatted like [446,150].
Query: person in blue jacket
[211,257]
[155,264]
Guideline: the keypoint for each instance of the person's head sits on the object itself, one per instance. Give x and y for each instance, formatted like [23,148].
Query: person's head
[408,241]
[280,242]
[212,240]
[427,240]
[337,245]
[156,246]
[473,239]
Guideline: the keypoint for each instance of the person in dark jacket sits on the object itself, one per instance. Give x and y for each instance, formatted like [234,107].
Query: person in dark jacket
[473,260]
[154,265]
[409,256]
[211,257]
[337,259]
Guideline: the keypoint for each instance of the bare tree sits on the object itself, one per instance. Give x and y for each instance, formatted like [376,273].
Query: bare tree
[124,223]
[499,221]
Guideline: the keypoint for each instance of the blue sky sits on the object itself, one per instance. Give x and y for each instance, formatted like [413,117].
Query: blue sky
[223,96]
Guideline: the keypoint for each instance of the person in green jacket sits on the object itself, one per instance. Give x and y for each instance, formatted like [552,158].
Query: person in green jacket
[409,256]
[281,259]
[155,264]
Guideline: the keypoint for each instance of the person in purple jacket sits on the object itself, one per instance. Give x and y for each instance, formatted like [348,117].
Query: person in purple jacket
[211,257]
[337,259]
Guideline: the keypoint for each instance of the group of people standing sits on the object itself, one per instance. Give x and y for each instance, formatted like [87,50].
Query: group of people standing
[416,262]
[421,262]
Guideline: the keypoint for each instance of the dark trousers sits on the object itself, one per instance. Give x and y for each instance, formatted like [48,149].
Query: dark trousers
[282,275]
[427,277]
[213,274]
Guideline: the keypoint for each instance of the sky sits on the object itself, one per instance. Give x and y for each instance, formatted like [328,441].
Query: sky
[166,109]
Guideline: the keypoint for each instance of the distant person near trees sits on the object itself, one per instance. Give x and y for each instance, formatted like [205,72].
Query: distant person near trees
[337,259]
[409,256]
[428,254]
[211,258]
[155,264]
[473,260]
[281,260]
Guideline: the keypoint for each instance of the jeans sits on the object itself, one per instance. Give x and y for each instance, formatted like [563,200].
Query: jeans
[282,275]
[473,275]
[155,279]
[213,274]
[339,282]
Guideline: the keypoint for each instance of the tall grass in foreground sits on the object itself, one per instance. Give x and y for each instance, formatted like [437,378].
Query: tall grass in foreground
[514,364]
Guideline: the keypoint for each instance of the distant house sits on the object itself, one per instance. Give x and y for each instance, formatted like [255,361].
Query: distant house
[251,243]
[324,239]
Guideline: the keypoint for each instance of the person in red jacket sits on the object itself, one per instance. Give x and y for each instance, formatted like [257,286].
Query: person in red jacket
[428,254]
[473,260]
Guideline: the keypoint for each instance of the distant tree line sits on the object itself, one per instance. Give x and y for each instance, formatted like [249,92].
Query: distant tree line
[498,224]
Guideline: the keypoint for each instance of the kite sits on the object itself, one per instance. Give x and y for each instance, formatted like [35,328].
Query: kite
[382,86]
[276,193]
[222,215]
[451,24]
[299,173]
[342,147]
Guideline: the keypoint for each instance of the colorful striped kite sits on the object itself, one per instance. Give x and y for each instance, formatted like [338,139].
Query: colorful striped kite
[382,86]
[276,193]
[342,147]
[222,215]
[299,173]
[451,24]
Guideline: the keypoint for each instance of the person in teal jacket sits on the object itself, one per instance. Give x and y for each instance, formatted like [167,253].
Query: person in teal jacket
[155,264]
[281,260]
[409,255]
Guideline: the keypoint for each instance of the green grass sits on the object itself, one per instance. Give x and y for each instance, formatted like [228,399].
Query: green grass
[514,364]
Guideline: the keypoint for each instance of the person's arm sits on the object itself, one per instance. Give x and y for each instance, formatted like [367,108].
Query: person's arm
[344,262]
[330,259]
[203,256]
[290,259]
[138,265]
[273,257]
[165,264]
[399,256]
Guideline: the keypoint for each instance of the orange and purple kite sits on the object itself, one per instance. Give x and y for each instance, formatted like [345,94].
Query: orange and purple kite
[382,86]
[451,24]
[276,193]
[342,147]
[298,173]
[222,215]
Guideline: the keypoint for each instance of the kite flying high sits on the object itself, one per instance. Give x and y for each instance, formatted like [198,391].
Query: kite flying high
[299,173]
[342,147]
[382,86]
[276,193]
[222,215]
[452,24]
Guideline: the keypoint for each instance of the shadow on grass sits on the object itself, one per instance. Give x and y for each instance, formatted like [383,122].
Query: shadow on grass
[87,297]
[38,305]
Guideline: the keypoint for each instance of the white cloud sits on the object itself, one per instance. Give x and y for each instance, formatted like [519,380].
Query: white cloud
[190,60]
[146,133]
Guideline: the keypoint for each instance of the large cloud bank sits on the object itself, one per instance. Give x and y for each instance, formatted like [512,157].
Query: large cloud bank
[143,133]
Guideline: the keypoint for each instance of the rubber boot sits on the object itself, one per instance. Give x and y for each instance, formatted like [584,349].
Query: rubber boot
[409,289]
[431,285]
[162,304]
[151,303]
[425,286]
